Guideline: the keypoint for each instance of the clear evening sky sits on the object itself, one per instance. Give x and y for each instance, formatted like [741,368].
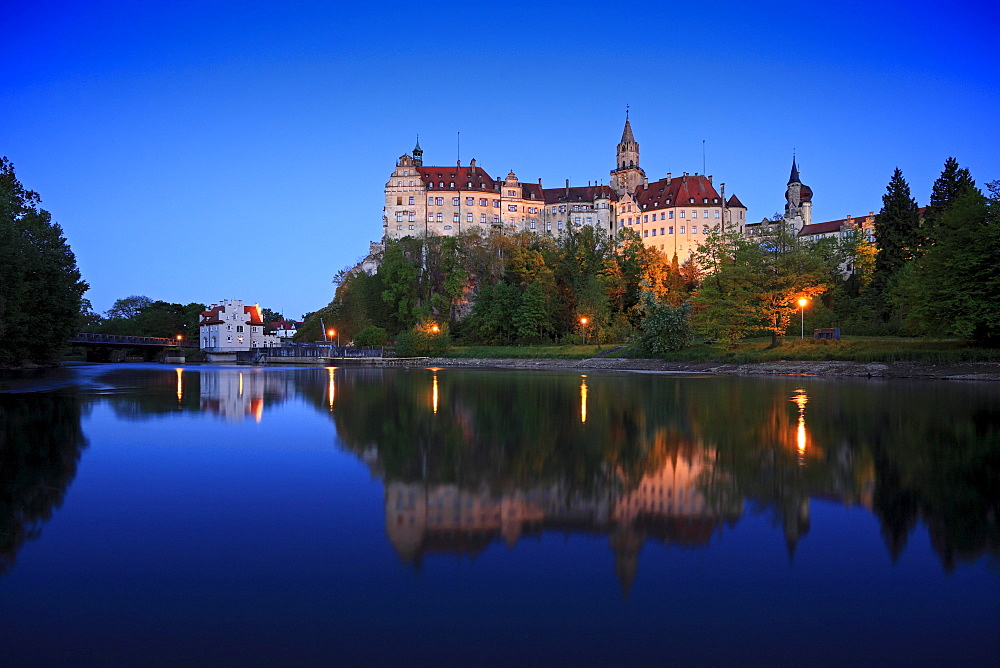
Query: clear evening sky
[199,151]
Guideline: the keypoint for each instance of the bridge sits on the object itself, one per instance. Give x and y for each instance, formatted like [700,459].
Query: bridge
[118,347]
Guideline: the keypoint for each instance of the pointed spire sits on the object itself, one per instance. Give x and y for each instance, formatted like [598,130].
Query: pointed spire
[627,133]
[793,177]
[417,147]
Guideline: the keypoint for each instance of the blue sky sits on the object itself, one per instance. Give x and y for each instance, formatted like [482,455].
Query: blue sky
[199,151]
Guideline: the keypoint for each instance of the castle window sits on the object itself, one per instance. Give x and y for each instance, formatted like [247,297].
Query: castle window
[239,328]
[645,219]
[455,218]
[496,203]
[430,201]
[683,213]
[510,193]
[671,228]
[559,224]
[440,217]
[430,217]
[470,184]
[440,201]
[705,213]
[682,229]
[661,231]
[412,201]
[671,215]
[512,207]
[468,217]
[691,200]
[694,214]
[454,201]
[447,227]
[716,213]
[399,227]
[704,200]
[441,184]
[411,227]
[532,224]
[399,216]
[482,218]
[577,220]
[412,216]
[590,221]
[469,201]
[496,219]
[399,201]
[654,231]
[645,233]
[482,201]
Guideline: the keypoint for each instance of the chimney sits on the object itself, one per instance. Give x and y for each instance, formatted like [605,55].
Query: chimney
[567,187]
[459,163]
[668,178]
[472,163]
[709,178]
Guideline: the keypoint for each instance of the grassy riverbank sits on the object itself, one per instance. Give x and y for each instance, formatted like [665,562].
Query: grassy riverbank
[856,349]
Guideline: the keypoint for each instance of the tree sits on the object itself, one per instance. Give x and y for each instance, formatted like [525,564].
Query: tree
[269,316]
[41,290]
[664,328]
[532,318]
[896,233]
[128,308]
[958,278]
[754,285]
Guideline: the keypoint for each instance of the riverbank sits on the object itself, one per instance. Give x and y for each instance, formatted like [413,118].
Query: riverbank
[905,369]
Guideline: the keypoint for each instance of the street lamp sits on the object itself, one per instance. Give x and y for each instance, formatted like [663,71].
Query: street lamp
[802,307]
[331,333]
[583,325]
[435,328]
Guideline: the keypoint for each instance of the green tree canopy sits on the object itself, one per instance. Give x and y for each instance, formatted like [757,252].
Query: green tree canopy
[41,290]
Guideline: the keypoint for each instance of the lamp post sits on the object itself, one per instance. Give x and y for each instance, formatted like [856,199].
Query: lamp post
[331,333]
[583,326]
[802,318]
[435,329]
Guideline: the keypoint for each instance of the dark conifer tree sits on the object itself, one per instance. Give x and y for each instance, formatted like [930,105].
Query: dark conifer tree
[896,231]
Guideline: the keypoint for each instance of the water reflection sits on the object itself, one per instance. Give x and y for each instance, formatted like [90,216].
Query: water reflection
[40,446]
[473,457]
[654,458]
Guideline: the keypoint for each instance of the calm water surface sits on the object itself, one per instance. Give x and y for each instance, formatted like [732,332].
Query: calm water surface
[160,515]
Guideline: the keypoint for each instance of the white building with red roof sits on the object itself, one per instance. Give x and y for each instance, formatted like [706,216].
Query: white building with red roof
[229,326]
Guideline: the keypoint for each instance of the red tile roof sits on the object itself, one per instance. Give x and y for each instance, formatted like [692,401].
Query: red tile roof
[822,228]
[734,203]
[579,194]
[456,178]
[678,191]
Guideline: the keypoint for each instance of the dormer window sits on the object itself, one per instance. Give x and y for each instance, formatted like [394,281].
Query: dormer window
[704,200]
[691,200]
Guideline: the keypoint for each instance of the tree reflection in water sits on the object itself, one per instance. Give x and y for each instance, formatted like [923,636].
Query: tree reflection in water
[471,457]
[40,446]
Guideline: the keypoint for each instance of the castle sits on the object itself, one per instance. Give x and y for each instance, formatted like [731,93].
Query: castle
[672,215]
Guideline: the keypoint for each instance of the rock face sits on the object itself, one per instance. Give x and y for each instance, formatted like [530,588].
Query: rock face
[966,371]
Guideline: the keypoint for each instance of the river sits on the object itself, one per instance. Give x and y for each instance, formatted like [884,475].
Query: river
[238,515]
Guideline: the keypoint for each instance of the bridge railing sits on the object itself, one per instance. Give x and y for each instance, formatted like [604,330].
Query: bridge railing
[123,340]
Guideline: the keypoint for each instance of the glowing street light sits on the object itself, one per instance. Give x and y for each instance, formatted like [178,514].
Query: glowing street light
[583,325]
[331,333]
[435,329]
[802,307]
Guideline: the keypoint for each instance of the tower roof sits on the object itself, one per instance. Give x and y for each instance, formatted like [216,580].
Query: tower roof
[417,147]
[627,132]
[793,177]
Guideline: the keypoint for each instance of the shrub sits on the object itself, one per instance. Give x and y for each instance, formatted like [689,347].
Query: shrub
[371,336]
[665,328]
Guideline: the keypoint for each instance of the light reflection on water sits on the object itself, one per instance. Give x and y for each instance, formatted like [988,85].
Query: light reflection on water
[583,488]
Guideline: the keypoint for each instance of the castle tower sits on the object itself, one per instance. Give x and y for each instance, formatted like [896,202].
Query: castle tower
[418,154]
[798,200]
[627,175]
